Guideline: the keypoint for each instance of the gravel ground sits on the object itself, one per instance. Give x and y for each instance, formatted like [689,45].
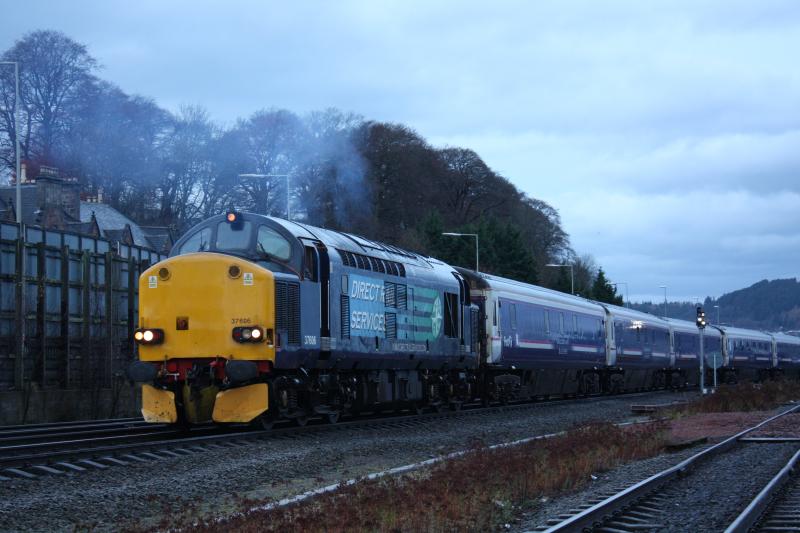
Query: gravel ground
[746,468]
[222,481]
[725,485]
[602,482]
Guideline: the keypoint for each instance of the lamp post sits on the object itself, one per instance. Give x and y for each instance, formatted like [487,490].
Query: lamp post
[288,210]
[477,249]
[627,300]
[18,207]
[717,314]
[571,275]
[665,298]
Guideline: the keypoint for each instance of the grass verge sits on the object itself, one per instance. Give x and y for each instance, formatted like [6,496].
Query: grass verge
[478,491]
[743,397]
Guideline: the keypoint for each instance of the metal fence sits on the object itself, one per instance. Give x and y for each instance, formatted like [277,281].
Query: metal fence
[68,308]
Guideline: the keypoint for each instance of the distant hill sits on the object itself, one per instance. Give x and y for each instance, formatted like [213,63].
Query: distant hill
[769,304]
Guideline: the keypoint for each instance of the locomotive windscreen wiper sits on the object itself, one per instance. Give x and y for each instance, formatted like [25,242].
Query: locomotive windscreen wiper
[265,255]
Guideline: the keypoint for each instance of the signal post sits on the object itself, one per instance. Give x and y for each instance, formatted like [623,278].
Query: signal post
[701,325]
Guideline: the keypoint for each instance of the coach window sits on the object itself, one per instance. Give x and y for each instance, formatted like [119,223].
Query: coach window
[513,312]
[270,242]
[199,242]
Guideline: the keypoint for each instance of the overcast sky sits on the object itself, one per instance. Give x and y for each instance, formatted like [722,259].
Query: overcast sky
[667,134]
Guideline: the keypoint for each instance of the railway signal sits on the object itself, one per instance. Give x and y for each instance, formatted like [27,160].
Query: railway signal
[701,317]
[701,325]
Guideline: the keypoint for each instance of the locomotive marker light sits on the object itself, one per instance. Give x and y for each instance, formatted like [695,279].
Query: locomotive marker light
[701,325]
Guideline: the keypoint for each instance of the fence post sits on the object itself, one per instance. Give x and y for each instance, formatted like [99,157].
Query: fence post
[131,302]
[41,312]
[86,316]
[19,296]
[109,325]
[65,380]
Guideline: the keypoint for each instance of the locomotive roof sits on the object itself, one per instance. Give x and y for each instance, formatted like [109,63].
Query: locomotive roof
[350,242]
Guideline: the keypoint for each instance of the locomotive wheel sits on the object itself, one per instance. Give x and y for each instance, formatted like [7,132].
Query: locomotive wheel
[332,417]
[418,408]
[455,406]
[301,420]
[264,422]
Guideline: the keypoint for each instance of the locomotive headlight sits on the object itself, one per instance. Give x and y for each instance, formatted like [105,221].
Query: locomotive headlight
[148,336]
[250,334]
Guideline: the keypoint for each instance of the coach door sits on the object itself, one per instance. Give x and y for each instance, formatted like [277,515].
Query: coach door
[318,268]
[462,308]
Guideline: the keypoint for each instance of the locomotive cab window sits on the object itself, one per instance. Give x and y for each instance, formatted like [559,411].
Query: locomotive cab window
[270,242]
[234,237]
[199,242]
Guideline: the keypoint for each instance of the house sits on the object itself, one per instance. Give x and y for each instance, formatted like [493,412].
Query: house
[54,202]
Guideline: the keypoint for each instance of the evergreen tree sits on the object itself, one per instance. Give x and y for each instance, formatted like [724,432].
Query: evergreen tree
[603,291]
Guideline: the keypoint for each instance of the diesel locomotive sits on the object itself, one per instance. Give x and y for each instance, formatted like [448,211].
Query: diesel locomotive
[253,319]
[258,318]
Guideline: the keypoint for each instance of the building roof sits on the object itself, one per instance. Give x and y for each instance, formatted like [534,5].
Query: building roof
[160,237]
[30,201]
[109,218]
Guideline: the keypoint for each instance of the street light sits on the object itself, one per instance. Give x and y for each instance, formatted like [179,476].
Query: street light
[717,314]
[627,299]
[665,298]
[288,211]
[571,275]
[477,264]
[18,207]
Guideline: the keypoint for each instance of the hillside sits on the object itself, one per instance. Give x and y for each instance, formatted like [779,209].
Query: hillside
[769,304]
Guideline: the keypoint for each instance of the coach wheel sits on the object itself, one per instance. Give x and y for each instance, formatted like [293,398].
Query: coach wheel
[301,420]
[418,408]
[455,406]
[333,417]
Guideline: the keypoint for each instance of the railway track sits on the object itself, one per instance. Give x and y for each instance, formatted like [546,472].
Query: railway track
[649,505]
[777,506]
[57,451]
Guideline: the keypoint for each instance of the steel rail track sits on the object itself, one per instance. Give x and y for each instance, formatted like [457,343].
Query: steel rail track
[777,506]
[79,432]
[635,507]
[56,426]
[32,460]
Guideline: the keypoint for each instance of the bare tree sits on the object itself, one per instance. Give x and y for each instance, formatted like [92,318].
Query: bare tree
[54,72]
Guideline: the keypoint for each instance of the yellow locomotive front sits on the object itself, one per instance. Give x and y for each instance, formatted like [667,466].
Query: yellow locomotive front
[206,339]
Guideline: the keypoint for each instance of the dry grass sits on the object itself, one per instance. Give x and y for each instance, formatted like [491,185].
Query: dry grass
[476,492]
[744,397]
[485,488]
